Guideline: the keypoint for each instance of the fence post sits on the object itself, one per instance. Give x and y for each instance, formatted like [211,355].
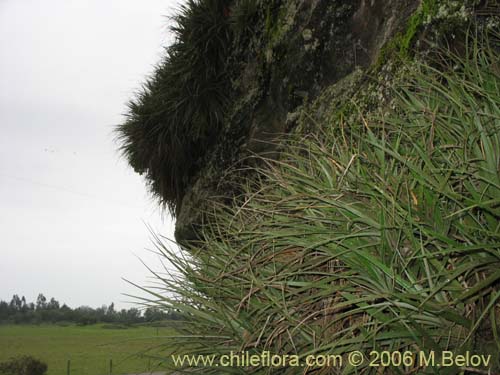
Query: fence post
[110,366]
[68,367]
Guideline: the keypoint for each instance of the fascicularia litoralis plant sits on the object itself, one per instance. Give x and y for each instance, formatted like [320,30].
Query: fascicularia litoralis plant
[380,235]
[176,116]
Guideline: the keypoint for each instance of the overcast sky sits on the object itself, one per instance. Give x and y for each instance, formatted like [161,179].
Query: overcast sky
[73,215]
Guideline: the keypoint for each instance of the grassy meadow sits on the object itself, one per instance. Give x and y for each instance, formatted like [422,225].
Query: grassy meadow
[89,348]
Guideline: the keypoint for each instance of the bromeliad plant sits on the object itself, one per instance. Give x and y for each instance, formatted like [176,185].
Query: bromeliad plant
[177,115]
[382,234]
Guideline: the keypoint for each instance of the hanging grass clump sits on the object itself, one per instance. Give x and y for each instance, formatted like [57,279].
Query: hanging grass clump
[176,117]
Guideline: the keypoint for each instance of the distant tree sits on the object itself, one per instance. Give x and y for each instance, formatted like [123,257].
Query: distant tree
[4,311]
[53,304]
[132,315]
[111,309]
[85,315]
[24,306]
[15,303]
[110,314]
[154,314]
[41,302]
[20,311]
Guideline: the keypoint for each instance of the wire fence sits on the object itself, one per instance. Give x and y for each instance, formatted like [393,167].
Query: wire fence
[107,367]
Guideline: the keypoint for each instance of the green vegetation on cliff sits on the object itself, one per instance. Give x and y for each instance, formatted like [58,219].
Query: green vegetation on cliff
[378,233]
[236,68]
[373,224]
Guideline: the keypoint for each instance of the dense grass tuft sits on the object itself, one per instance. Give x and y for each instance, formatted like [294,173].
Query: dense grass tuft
[175,118]
[379,234]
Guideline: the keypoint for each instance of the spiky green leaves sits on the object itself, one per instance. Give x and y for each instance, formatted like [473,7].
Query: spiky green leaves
[177,115]
[379,235]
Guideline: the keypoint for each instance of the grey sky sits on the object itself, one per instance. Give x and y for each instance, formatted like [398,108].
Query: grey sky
[72,213]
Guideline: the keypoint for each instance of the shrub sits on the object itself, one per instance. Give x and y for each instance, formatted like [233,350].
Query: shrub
[382,234]
[24,365]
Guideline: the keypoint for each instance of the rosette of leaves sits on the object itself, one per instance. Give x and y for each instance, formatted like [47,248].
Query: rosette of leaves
[178,113]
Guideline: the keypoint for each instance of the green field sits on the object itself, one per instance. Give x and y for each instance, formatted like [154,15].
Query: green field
[89,348]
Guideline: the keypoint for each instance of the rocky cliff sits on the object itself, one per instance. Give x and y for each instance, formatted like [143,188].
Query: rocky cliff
[288,53]
[240,72]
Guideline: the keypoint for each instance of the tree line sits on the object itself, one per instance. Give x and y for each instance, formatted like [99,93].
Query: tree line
[19,311]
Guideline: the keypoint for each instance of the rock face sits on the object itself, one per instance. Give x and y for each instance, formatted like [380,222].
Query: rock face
[286,56]
[375,22]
